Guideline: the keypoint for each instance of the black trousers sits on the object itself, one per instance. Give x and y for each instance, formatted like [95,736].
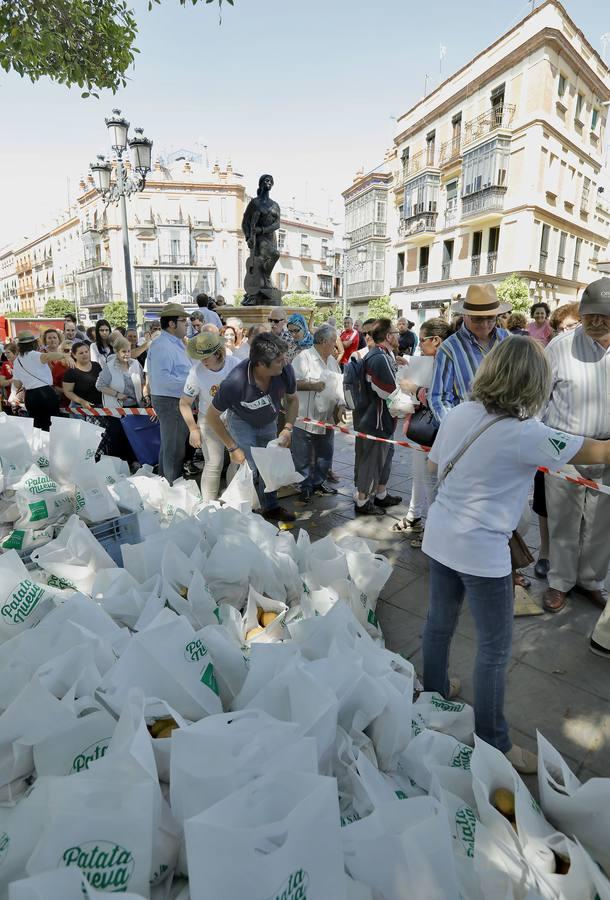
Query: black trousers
[42,403]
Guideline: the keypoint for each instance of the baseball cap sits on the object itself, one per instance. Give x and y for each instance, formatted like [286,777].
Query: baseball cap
[204,345]
[595,298]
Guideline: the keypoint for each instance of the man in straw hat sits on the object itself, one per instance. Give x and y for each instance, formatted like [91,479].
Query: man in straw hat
[168,367]
[212,365]
[460,356]
[578,516]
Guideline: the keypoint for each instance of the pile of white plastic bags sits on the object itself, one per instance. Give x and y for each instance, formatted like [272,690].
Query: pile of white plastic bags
[219,718]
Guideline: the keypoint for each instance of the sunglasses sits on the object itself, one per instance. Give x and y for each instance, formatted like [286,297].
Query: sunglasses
[276,321]
[293,330]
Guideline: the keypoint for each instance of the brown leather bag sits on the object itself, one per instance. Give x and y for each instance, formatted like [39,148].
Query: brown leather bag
[520,556]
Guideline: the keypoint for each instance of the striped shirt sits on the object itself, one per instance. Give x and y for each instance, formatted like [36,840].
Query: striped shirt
[580,396]
[455,366]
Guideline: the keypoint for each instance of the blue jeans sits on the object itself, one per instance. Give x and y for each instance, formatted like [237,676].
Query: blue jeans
[313,456]
[491,603]
[247,436]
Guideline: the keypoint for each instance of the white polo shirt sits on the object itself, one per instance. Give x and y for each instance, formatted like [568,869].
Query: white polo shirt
[480,502]
[31,372]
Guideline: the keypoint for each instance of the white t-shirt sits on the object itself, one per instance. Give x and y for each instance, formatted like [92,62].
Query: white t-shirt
[480,502]
[31,372]
[309,366]
[204,383]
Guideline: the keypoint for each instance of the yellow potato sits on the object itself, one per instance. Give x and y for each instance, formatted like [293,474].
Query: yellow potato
[253,633]
[267,618]
[183,591]
[504,801]
[161,725]
[167,731]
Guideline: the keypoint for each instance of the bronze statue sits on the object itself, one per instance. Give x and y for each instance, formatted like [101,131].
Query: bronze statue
[259,225]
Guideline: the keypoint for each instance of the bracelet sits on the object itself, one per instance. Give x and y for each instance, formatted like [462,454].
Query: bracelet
[232,449]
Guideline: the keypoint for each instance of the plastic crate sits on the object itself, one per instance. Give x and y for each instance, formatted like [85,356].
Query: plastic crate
[115,532]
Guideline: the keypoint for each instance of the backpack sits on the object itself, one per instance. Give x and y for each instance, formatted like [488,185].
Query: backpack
[354,384]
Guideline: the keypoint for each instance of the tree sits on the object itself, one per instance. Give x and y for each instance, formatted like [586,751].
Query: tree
[116,313]
[58,307]
[304,299]
[381,308]
[515,290]
[89,43]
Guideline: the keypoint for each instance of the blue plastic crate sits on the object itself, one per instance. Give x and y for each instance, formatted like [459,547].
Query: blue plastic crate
[115,532]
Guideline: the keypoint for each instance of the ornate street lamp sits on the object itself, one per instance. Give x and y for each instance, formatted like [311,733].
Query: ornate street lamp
[124,184]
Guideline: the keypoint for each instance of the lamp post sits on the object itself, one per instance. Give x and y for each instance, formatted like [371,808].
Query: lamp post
[124,185]
[347,265]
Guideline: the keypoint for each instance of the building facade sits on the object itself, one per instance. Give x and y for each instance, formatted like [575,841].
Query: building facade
[184,238]
[9,298]
[497,171]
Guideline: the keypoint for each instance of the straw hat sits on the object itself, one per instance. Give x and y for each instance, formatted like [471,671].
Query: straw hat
[26,337]
[204,345]
[481,300]
[173,309]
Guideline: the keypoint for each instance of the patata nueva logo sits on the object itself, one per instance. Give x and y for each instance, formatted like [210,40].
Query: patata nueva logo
[295,888]
[93,752]
[106,866]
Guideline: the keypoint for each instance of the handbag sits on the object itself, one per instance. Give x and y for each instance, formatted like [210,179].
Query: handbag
[423,427]
[520,556]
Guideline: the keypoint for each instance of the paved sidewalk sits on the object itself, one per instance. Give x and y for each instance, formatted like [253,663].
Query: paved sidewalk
[555,684]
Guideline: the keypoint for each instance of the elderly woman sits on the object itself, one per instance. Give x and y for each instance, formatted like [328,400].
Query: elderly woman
[495,444]
[565,318]
[540,327]
[299,332]
[121,383]
[212,365]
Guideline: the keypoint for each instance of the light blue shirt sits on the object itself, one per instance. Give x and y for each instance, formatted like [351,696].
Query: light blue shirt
[167,365]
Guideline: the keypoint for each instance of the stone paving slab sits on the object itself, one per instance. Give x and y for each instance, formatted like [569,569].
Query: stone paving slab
[555,684]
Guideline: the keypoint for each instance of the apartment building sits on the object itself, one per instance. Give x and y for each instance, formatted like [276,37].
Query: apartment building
[306,260]
[9,299]
[184,232]
[498,169]
[369,223]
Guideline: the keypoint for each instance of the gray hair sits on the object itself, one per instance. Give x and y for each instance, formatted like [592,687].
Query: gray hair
[515,378]
[234,322]
[324,333]
[196,315]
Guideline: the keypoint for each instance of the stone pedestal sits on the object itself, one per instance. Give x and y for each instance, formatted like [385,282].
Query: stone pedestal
[258,315]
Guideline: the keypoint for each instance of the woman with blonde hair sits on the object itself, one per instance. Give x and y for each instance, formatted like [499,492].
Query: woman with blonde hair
[495,444]
[121,383]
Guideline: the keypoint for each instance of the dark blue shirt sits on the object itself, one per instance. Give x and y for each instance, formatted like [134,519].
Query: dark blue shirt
[240,393]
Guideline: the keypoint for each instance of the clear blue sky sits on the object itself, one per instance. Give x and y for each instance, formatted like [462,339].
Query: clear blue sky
[304,89]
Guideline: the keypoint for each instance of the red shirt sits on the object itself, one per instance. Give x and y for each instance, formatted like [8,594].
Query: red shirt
[58,369]
[354,339]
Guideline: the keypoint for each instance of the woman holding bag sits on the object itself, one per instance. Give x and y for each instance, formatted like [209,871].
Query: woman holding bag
[421,427]
[496,445]
[121,383]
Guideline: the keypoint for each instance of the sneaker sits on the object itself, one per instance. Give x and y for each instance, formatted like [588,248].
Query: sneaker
[525,762]
[323,490]
[190,469]
[279,514]
[369,509]
[598,649]
[387,501]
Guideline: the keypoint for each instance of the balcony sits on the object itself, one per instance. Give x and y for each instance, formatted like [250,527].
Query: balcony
[451,151]
[365,289]
[542,261]
[492,261]
[475,265]
[423,159]
[400,279]
[419,224]
[446,271]
[373,229]
[495,119]
[423,274]
[451,217]
[92,263]
[175,259]
[484,204]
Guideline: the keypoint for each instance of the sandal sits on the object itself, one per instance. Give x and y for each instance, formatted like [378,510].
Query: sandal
[408,526]
[416,543]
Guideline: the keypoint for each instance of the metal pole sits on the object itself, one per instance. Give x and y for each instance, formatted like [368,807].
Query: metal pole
[344,286]
[121,179]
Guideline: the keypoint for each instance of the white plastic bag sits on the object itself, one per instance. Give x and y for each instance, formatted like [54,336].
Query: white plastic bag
[23,602]
[15,453]
[400,404]
[284,830]
[75,748]
[26,538]
[276,467]
[449,716]
[75,554]
[40,500]
[72,442]
[240,493]
[254,621]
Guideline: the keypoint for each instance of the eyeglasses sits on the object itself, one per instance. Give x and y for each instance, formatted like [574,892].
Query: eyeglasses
[430,338]
[393,332]
[276,321]
[293,330]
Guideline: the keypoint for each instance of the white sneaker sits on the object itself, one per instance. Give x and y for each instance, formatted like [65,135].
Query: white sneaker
[525,762]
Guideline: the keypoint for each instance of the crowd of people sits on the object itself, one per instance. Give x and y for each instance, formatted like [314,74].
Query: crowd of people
[504,398]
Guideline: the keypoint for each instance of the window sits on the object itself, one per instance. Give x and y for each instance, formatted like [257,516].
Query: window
[561,254]
[202,253]
[544,247]
[493,242]
[596,249]
[324,249]
[400,270]
[561,85]
[421,195]
[326,286]
[497,104]
[147,286]
[579,105]
[576,267]
[143,250]
[404,156]
[584,199]
[281,240]
[485,166]
[424,255]
[456,128]
[447,260]
[430,146]
[452,202]
[380,210]
[305,251]
[594,118]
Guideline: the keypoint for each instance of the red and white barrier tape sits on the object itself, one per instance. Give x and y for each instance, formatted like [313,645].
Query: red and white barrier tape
[120,412]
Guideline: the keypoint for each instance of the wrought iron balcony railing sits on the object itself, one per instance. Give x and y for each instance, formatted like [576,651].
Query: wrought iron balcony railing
[493,119]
